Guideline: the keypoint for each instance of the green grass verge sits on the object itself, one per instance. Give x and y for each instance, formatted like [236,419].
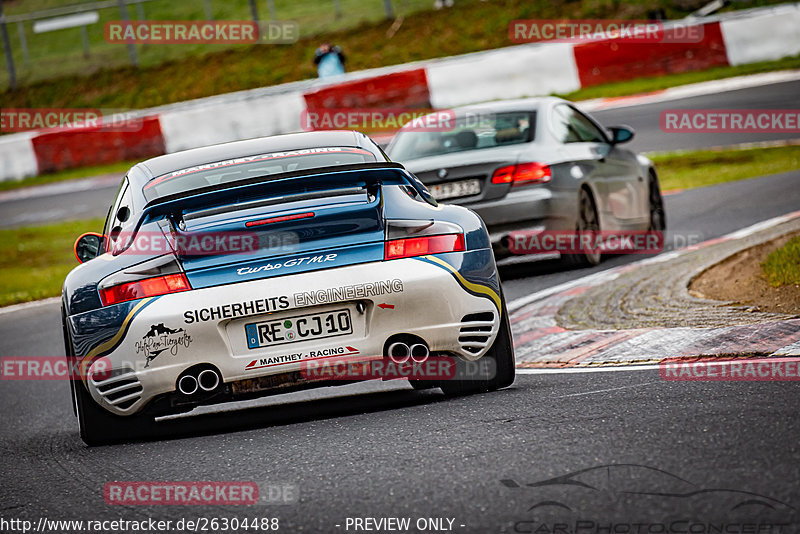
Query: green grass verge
[35,260]
[708,167]
[174,74]
[782,266]
[69,174]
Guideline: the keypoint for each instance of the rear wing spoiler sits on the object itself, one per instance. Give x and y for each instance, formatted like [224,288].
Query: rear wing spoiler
[237,184]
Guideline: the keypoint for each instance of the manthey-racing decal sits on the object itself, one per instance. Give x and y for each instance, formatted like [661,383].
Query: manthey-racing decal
[160,339]
[263,363]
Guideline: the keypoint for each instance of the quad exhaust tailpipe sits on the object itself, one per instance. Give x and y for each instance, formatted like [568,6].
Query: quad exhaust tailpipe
[419,352]
[208,380]
[187,385]
[401,352]
[192,381]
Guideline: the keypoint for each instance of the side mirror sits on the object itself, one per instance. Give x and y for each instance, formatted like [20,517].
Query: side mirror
[88,246]
[621,134]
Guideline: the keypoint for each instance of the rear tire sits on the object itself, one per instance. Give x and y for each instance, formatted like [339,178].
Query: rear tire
[502,352]
[100,427]
[588,221]
[658,218]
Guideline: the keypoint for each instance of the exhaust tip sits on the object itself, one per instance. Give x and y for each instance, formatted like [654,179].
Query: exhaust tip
[399,352]
[208,380]
[187,385]
[419,352]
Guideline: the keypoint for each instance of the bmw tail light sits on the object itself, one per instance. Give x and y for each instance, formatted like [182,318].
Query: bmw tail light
[149,287]
[420,246]
[523,174]
[151,278]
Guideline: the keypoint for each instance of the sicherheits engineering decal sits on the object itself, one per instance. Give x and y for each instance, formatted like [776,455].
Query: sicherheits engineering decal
[160,339]
[270,361]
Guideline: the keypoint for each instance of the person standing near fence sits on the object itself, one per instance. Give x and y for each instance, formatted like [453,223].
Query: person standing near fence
[329,60]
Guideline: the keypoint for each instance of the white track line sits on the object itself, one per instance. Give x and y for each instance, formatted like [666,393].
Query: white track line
[614,272]
[568,370]
[27,305]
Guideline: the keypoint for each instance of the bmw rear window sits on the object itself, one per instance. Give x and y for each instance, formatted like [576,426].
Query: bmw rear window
[472,131]
[234,170]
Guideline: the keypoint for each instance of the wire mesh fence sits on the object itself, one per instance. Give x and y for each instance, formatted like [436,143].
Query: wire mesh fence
[43,39]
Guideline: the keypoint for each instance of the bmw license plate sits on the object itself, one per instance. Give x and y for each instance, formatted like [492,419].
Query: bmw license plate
[299,328]
[463,188]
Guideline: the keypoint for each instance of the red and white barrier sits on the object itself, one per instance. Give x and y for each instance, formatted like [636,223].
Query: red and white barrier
[762,35]
[511,72]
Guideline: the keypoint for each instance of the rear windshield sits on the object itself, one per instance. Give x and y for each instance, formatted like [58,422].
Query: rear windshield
[471,132]
[255,166]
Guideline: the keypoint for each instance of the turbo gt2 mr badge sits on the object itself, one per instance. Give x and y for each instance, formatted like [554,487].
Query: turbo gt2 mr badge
[160,339]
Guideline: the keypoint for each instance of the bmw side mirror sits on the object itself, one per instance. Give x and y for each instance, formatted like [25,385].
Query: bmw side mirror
[621,134]
[88,246]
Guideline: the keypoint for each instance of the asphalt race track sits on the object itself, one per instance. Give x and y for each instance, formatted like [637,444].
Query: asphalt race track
[60,201]
[383,450]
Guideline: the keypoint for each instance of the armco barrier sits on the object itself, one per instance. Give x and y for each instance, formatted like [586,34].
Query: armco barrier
[65,149]
[612,61]
[257,116]
[763,36]
[17,156]
[404,89]
[513,72]
[517,71]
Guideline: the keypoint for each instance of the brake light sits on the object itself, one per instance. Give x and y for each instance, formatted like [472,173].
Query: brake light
[419,246]
[149,287]
[523,174]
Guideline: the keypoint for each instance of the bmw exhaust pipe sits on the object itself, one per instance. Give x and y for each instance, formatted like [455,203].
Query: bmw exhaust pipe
[399,352]
[187,385]
[208,380]
[419,353]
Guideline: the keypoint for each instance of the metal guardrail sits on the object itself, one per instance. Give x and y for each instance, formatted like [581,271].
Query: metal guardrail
[67,10]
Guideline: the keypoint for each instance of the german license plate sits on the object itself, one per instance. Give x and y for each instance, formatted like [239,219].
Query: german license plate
[299,328]
[463,188]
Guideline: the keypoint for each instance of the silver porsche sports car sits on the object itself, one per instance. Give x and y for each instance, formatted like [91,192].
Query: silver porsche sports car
[534,165]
